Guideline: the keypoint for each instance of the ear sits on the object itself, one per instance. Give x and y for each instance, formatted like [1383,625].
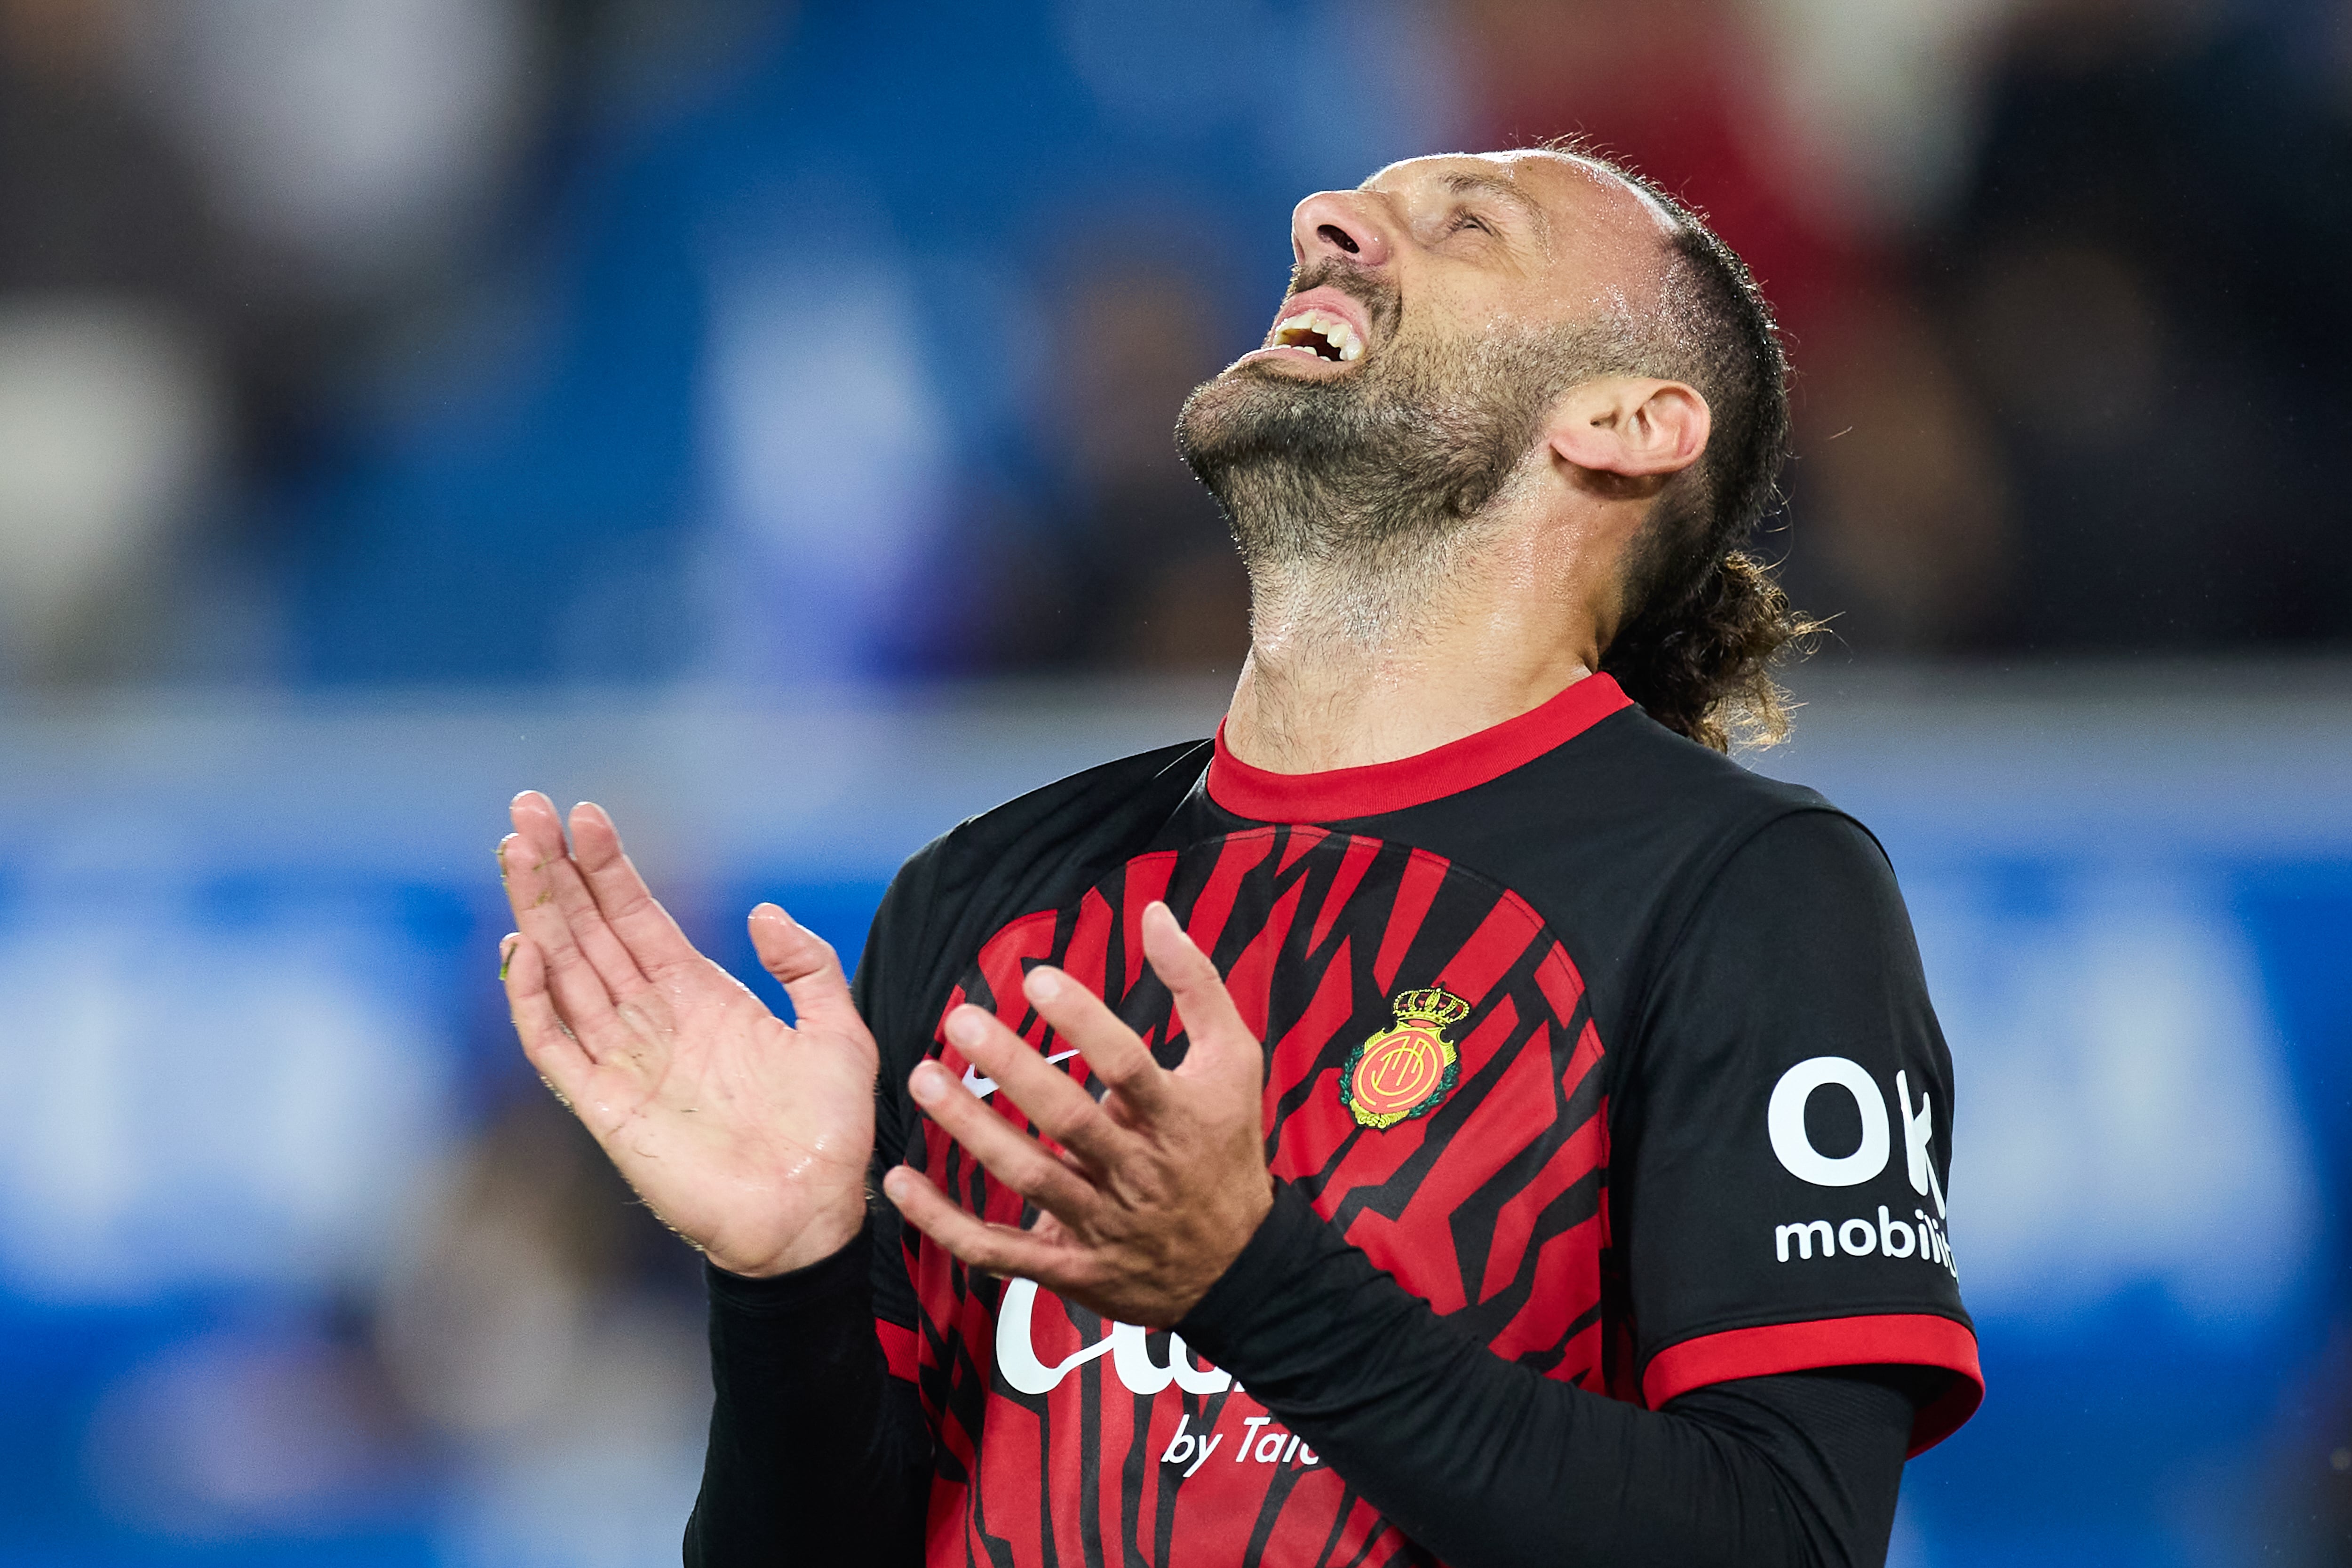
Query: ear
[1630,426]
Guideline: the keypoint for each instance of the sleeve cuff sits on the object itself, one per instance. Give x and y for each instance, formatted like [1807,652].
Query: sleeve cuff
[846,1272]
[1899,1339]
[1247,1292]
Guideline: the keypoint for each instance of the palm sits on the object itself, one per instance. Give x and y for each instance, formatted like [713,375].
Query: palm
[749,1136]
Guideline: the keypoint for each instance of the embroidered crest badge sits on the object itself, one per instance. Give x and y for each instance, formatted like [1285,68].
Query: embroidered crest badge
[1408,1070]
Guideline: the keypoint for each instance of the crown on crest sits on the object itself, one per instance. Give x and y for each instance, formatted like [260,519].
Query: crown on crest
[1430,1006]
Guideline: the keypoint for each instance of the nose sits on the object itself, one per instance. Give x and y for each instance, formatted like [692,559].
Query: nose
[1340,224]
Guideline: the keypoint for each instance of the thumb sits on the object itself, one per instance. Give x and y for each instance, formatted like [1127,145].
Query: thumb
[1221,1046]
[805,964]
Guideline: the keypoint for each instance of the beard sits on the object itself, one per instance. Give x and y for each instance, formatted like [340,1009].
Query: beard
[1383,467]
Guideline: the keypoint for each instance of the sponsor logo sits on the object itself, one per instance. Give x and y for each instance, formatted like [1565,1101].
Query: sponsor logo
[1271,1446]
[1922,1236]
[981,1086]
[1408,1070]
[1129,1352]
[1784,1121]
[1919,1236]
[1017,1361]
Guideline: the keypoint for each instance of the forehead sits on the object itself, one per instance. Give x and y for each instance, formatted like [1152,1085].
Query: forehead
[1567,196]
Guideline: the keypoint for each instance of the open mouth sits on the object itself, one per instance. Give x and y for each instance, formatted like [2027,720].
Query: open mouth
[1320,334]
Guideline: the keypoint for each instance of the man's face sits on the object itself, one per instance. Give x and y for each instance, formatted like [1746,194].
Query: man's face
[1435,314]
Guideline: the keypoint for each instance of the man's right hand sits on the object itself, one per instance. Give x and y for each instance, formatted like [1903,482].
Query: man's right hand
[748,1136]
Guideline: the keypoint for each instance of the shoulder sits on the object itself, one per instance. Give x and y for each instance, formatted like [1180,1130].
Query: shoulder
[1705,810]
[1740,853]
[1650,765]
[1102,810]
[1033,852]
[1632,821]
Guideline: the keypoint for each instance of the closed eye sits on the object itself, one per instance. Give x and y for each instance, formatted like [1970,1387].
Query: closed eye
[1466,219]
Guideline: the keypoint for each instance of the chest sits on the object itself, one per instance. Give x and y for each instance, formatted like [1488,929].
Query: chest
[1434,1082]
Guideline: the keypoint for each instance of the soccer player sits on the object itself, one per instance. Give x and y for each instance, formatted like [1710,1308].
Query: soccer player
[1456,1114]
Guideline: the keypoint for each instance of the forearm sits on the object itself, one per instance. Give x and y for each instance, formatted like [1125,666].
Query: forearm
[1488,1463]
[816,1453]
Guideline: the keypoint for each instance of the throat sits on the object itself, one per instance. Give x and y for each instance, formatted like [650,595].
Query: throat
[1350,666]
[1295,721]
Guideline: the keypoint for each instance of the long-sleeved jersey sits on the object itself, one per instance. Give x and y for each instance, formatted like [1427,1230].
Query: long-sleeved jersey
[1601,1078]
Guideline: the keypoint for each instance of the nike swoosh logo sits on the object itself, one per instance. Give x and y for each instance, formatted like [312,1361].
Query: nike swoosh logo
[981,1087]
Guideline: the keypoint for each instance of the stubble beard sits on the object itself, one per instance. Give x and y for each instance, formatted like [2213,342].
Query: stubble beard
[1356,492]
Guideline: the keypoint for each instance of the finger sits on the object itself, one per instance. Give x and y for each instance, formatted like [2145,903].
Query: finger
[560,883]
[999,1249]
[535,817]
[1017,1160]
[1114,1052]
[558,1057]
[1055,1105]
[575,989]
[805,964]
[538,838]
[636,917]
[1222,1046]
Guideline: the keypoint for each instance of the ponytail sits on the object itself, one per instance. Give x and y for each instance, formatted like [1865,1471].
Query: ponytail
[1702,665]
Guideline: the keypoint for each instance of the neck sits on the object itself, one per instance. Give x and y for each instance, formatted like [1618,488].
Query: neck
[1353,663]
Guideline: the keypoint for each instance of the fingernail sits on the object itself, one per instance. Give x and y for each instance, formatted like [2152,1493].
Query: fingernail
[966,1027]
[1043,984]
[506,951]
[895,1183]
[927,1082]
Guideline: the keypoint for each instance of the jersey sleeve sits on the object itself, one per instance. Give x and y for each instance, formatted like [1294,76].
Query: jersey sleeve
[1783,1134]
[819,1450]
[815,1455]
[1487,1462]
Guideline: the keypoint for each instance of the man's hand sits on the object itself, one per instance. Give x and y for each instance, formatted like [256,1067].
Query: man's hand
[1155,1190]
[748,1137]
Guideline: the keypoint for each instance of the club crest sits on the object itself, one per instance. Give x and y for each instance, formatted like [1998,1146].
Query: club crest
[1407,1070]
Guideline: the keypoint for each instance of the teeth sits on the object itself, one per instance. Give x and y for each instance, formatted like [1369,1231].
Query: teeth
[1333,330]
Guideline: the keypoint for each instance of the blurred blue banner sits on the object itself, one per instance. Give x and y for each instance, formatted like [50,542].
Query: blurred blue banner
[298,1264]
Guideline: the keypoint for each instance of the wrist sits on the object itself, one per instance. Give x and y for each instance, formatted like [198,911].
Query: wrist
[1288,1233]
[825,1235]
[849,1272]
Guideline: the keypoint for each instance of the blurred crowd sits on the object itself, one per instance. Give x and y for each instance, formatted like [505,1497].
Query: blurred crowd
[629,340]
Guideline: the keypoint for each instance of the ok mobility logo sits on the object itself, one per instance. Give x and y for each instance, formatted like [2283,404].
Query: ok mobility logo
[1921,1235]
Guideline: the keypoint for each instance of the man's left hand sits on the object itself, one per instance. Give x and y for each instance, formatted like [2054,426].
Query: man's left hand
[1154,1190]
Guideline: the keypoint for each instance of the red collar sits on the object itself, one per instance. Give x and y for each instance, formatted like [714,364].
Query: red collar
[1345,793]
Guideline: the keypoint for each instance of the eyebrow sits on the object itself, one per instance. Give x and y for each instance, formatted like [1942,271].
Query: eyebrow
[1462,183]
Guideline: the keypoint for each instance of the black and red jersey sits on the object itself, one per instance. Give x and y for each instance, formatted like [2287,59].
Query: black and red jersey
[1615,1054]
